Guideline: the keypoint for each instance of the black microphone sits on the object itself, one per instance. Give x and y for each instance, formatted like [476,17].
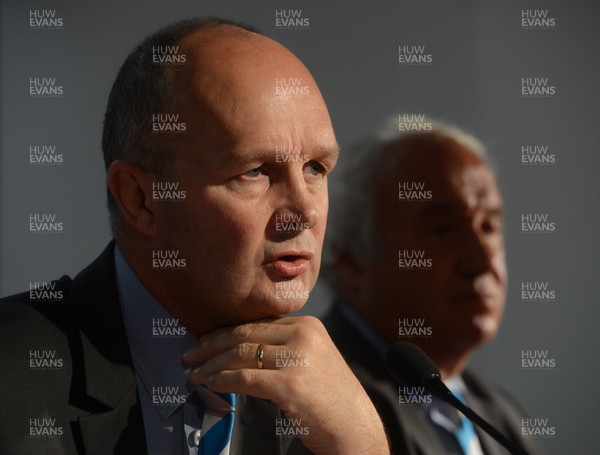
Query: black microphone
[410,366]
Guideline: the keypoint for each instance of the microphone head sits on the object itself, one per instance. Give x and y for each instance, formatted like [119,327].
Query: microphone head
[409,365]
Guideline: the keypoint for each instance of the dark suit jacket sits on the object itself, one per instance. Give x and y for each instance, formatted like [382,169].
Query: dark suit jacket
[92,395]
[407,427]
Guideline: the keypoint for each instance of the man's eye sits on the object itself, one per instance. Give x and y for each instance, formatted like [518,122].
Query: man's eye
[492,225]
[257,172]
[315,168]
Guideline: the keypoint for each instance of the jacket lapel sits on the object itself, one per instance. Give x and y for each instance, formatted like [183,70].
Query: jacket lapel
[486,409]
[118,431]
[411,433]
[107,367]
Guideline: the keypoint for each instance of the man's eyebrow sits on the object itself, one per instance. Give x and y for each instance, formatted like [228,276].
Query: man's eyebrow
[329,152]
[247,157]
[435,208]
[496,211]
[226,157]
[449,209]
[264,155]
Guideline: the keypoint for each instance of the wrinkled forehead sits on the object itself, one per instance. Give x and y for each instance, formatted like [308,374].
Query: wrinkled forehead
[240,90]
[227,64]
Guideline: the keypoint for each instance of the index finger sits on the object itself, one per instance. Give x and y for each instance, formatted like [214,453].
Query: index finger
[272,332]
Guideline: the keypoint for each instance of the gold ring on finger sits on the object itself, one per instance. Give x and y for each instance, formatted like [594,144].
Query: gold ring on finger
[260,354]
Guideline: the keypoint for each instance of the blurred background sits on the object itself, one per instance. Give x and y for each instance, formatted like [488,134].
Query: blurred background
[480,53]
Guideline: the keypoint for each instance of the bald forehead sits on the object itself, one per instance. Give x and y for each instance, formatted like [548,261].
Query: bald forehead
[220,44]
[230,76]
[229,65]
[227,95]
[219,37]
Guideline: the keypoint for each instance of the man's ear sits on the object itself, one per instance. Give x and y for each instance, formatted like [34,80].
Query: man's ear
[131,186]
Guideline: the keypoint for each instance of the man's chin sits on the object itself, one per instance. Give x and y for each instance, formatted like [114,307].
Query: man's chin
[287,296]
[486,324]
[482,330]
[283,307]
[269,306]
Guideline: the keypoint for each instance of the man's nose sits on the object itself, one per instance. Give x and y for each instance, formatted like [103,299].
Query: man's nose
[477,252]
[297,211]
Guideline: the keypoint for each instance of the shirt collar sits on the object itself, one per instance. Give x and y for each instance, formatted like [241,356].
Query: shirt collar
[157,341]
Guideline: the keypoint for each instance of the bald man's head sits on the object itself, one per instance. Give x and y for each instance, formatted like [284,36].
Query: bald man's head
[239,134]
[215,68]
[143,88]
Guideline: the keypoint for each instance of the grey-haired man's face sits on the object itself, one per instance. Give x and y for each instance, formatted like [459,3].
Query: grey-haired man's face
[457,284]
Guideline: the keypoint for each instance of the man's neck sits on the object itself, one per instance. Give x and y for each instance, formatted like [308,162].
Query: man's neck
[450,363]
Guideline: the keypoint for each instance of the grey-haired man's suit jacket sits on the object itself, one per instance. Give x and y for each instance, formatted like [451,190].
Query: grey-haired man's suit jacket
[409,431]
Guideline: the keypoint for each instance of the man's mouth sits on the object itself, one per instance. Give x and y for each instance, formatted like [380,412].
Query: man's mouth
[290,264]
[482,300]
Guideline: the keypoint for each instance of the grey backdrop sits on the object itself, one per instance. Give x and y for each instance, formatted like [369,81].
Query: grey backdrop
[479,55]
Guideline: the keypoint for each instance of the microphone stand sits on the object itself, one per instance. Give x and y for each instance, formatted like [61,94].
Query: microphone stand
[439,389]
